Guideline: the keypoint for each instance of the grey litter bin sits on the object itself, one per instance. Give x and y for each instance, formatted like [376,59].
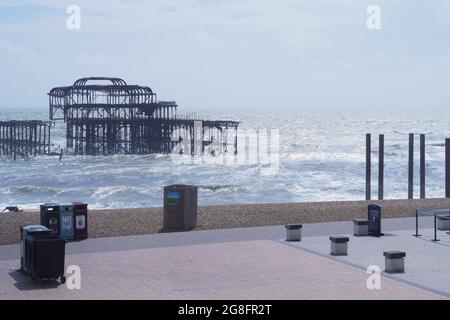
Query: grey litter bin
[180,207]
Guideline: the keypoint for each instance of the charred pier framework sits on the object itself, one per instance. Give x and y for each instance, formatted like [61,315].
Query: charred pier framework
[117,118]
[24,138]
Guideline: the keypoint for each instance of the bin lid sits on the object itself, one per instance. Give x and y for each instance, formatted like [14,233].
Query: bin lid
[79,204]
[35,228]
[49,206]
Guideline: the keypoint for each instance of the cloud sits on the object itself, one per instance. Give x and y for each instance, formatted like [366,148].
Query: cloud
[235,53]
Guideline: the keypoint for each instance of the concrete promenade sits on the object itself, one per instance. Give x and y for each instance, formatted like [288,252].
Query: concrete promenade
[243,263]
[127,222]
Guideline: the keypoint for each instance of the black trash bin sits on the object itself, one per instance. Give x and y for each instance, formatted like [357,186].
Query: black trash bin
[42,253]
[30,230]
[180,207]
[50,217]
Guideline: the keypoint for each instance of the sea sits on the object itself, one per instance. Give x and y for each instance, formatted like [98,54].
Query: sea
[320,156]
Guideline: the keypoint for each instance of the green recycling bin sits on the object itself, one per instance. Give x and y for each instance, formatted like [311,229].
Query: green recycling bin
[66,222]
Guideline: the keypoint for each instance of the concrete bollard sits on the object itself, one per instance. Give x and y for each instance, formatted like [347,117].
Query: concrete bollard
[339,246]
[360,227]
[394,261]
[443,223]
[293,232]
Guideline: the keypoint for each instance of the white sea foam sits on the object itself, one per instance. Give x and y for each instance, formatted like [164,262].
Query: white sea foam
[321,158]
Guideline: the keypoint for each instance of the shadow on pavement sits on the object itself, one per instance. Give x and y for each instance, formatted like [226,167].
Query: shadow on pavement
[25,283]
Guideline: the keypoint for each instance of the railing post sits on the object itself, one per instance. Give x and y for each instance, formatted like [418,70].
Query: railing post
[435,230]
[417,224]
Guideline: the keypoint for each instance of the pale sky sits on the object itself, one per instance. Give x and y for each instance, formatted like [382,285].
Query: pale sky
[234,54]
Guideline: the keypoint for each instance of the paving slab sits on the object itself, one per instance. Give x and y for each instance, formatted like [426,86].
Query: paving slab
[427,264]
[8,252]
[257,269]
[240,263]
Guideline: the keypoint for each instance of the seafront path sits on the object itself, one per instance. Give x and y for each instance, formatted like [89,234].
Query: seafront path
[243,263]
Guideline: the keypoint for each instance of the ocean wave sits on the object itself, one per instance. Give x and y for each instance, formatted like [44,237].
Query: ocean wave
[115,191]
[437,144]
[29,190]
[223,188]
[321,158]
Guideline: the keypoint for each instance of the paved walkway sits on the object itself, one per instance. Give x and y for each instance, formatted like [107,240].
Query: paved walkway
[8,252]
[222,264]
[427,264]
[262,269]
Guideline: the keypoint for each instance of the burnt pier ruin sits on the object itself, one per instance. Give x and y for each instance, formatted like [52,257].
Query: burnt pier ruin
[21,138]
[107,116]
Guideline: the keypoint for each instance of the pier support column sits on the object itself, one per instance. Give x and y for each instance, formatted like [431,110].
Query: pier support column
[447,168]
[368,166]
[422,166]
[411,167]
[381,167]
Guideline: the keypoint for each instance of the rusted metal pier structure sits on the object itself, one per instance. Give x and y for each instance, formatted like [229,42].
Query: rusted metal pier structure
[106,116]
[21,138]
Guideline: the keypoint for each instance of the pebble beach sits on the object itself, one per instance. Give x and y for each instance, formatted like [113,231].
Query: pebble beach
[124,222]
